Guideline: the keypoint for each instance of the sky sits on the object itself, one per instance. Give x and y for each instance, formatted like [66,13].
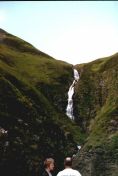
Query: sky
[73,31]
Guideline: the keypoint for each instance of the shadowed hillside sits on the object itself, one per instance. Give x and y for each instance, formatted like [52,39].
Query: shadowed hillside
[33,98]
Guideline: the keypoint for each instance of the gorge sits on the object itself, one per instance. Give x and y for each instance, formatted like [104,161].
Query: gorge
[33,123]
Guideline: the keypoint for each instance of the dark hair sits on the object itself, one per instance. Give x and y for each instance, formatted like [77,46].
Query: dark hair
[48,161]
[68,161]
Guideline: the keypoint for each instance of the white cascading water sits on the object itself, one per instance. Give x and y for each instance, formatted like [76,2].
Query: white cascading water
[69,109]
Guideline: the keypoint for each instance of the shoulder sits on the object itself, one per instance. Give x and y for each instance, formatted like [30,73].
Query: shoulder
[76,173]
[44,173]
[69,172]
[59,173]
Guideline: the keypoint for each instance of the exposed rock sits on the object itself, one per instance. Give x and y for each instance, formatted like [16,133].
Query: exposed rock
[96,162]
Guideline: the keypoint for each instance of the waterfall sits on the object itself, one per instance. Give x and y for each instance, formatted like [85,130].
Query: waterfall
[69,109]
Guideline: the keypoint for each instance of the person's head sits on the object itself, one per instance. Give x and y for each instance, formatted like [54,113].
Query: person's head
[68,162]
[49,164]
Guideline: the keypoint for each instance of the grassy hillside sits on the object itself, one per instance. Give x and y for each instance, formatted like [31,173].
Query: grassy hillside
[97,111]
[33,98]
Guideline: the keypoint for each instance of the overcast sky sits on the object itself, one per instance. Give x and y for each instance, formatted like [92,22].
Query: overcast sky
[73,31]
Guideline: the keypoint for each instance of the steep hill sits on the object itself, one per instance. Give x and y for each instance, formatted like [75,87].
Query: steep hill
[96,108]
[33,98]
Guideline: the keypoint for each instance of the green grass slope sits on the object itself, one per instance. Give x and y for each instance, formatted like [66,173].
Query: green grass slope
[33,98]
[97,112]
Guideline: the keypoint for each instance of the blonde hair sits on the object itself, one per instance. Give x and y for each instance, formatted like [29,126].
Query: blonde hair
[48,161]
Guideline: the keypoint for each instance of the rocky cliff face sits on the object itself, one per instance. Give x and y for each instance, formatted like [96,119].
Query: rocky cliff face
[96,111]
[98,162]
